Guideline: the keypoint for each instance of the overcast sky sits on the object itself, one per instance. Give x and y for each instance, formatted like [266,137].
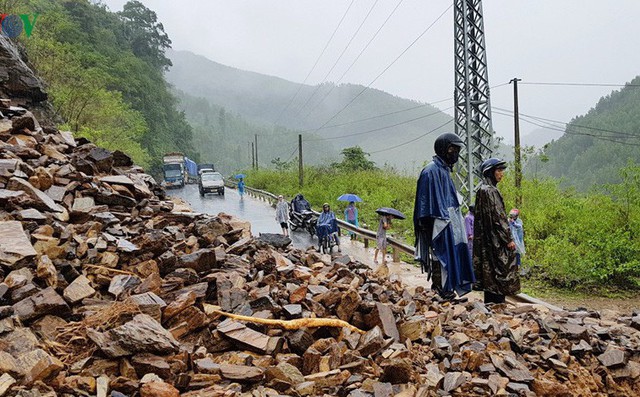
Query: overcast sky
[577,41]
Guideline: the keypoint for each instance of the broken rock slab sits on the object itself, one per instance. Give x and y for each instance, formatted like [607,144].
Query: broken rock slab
[15,247]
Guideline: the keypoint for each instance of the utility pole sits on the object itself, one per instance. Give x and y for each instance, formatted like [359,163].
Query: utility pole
[300,170]
[256,136]
[250,153]
[516,131]
[253,157]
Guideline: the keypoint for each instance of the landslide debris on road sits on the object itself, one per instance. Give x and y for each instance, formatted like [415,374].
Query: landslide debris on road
[103,292]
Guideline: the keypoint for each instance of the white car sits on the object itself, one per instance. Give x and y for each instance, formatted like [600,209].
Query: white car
[211,182]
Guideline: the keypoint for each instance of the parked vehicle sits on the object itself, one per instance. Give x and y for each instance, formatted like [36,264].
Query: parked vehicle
[173,169]
[211,182]
[205,167]
[191,169]
[301,216]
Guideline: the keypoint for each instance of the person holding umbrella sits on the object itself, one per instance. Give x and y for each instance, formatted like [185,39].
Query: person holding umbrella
[441,241]
[386,215]
[351,212]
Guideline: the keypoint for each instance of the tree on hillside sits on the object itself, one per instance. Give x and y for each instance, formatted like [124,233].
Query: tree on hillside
[355,159]
[146,35]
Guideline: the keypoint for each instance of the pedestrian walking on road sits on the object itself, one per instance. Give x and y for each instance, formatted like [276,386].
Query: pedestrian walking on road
[441,243]
[282,215]
[381,238]
[241,187]
[494,255]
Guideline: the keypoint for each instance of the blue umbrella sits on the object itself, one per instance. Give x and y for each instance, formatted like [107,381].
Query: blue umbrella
[391,211]
[239,176]
[350,197]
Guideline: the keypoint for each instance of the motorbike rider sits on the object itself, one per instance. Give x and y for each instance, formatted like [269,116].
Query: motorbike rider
[300,213]
[327,224]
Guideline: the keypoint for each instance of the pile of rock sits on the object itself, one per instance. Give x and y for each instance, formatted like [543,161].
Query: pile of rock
[106,291]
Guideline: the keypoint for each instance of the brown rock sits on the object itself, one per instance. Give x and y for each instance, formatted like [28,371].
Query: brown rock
[6,381]
[612,358]
[201,261]
[15,247]
[158,389]
[371,342]
[44,302]
[348,304]
[79,289]
[40,200]
[241,373]
[149,363]
[179,304]
[38,365]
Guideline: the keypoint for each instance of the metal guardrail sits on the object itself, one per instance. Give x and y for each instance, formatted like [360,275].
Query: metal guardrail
[396,245]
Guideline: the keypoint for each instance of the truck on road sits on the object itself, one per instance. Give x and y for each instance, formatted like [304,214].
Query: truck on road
[173,169]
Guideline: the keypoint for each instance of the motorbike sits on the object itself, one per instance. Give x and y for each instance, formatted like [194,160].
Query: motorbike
[328,237]
[305,220]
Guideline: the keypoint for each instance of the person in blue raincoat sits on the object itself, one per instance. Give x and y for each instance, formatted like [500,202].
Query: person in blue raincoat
[441,241]
[241,187]
[327,224]
[351,216]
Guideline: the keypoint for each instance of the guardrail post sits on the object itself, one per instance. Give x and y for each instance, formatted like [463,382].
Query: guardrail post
[396,256]
[366,242]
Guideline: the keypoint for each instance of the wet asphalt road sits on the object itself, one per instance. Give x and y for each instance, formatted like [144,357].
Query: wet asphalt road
[260,213]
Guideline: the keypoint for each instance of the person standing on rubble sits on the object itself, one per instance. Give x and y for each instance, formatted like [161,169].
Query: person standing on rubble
[494,255]
[441,242]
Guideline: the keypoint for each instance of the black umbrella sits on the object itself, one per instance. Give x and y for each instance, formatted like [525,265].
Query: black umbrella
[391,211]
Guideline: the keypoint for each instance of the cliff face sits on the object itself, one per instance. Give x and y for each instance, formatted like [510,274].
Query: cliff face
[19,83]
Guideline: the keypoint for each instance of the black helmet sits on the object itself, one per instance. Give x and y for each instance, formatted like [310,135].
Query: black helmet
[445,140]
[442,145]
[491,164]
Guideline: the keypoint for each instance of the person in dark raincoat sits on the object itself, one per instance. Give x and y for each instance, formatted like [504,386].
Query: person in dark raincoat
[441,241]
[494,255]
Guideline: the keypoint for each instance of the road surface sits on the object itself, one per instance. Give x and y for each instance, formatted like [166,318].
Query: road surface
[260,213]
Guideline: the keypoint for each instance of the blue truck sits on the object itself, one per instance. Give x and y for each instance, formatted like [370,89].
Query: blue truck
[178,170]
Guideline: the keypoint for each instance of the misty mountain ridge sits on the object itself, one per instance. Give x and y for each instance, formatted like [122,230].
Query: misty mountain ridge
[262,100]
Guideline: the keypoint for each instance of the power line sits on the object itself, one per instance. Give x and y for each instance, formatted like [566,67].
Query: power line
[579,84]
[352,63]
[414,139]
[339,57]
[381,128]
[389,66]
[315,64]
[573,124]
[568,132]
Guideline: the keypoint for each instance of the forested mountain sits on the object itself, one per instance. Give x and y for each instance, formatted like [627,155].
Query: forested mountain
[263,100]
[598,144]
[224,138]
[104,75]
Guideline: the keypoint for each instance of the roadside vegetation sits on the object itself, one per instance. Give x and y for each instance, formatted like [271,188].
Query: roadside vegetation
[575,241]
[104,75]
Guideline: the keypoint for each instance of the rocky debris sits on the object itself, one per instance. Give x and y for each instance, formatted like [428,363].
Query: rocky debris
[103,288]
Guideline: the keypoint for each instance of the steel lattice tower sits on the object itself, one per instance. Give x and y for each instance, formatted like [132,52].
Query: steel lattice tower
[471,96]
